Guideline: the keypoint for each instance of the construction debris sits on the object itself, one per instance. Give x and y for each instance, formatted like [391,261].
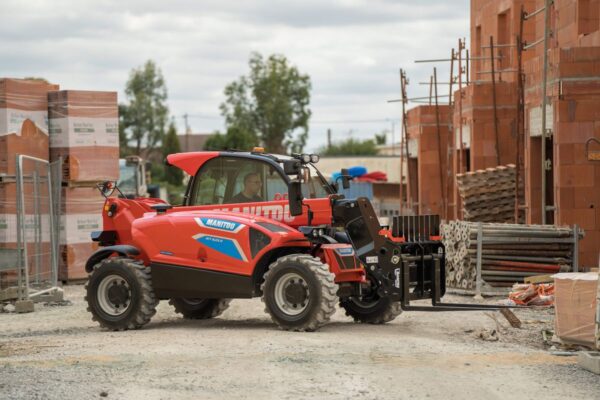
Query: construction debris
[505,253]
[512,319]
[488,195]
[486,335]
[532,294]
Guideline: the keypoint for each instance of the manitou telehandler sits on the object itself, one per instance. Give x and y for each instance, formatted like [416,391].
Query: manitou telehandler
[256,224]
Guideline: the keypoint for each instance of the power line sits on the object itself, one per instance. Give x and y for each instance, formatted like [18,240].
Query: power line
[350,121]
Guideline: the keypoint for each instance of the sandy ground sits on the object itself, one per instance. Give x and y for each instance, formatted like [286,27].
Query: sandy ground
[59,353]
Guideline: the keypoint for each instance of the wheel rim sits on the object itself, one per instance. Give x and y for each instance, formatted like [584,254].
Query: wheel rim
[114,295]
[292,295]
[368,301]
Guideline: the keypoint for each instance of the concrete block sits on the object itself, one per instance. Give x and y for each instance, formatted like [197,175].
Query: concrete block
[589,360]
[24,306]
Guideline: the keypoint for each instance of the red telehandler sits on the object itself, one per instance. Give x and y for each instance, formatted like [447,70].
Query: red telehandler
[256,224]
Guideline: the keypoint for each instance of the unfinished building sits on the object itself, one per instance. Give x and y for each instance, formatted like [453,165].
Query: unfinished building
[498,115]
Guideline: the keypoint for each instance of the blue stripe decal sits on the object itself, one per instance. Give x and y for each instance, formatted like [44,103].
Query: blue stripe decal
[222,245]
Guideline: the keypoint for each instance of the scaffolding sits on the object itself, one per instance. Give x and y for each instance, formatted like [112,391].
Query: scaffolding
[546,164]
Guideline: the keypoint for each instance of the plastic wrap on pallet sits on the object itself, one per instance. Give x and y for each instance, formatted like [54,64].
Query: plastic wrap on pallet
[73,258]
[81,209]
[575,303]
[22,99]
[30,141]
[84,131]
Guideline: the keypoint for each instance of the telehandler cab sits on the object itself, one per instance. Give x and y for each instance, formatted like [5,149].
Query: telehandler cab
[256,224]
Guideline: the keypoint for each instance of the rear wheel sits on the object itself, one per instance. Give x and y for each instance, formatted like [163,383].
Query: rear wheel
[371,308]
[199,308]
[119,294]
[299,292]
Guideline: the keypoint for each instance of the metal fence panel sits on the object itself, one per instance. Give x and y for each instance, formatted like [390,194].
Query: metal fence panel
[29,252]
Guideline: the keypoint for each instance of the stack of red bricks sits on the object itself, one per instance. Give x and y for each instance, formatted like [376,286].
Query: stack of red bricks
[23,130]
[39,120]
[84,132]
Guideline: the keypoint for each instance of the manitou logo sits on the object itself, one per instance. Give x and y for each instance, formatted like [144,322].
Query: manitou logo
[278,212]
[219,223]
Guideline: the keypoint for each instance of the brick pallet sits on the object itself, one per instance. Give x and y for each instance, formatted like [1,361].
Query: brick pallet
[84,132]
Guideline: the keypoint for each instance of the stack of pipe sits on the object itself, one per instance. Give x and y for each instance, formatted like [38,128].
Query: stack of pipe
[488,195]
[509,252]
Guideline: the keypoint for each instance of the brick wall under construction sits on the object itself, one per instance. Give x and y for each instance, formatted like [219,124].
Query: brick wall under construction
[428,165]
[493,125]
[572,118]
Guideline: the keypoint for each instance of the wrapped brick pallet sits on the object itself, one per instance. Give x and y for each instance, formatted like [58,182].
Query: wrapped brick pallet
[576,307]
[23,130]
[84,130]
[32,141]
[81,215]
[22,99]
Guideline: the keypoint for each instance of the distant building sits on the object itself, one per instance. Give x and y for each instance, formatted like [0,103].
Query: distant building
[193,141]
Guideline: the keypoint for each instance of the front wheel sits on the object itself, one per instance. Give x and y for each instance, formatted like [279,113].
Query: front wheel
[119,294]
[371,308]
[299,292]
[199,308]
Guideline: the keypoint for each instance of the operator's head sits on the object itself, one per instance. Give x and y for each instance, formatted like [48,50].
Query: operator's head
[252,184]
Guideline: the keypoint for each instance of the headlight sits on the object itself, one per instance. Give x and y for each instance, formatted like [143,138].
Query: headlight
[321,232]
[305,158]
[314,158]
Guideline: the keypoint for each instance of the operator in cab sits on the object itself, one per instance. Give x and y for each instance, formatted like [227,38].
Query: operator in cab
[252,186]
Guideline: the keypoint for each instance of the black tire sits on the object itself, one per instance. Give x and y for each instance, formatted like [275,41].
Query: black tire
[199,308]
[119,294]
[299,293]
[371,309]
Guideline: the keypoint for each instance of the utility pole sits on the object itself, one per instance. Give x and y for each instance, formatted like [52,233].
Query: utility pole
[328,139]
[188,130]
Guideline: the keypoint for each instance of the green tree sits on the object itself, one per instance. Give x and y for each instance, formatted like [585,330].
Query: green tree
[381,138]
[170,146]
[144,118]
[234,139]
[350,147]
[270,104]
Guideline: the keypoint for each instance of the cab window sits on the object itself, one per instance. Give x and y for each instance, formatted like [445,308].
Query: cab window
[227,180]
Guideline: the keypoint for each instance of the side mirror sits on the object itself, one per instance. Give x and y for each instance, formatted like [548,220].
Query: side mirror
[291,167]
[345,178]
[295,198]
[107,188]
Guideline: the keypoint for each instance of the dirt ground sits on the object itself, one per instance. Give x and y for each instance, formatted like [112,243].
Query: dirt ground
[57,352]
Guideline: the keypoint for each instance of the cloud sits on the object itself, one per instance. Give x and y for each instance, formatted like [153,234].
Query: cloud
[352,49]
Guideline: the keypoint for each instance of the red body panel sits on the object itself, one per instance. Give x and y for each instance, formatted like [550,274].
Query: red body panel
[184,245]
[191,162]
[342,262]
[279,211]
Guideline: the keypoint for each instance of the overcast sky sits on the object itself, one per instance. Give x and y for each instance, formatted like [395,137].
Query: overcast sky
[352,50]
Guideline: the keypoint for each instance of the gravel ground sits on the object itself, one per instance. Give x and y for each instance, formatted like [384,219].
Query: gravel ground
[59,353]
